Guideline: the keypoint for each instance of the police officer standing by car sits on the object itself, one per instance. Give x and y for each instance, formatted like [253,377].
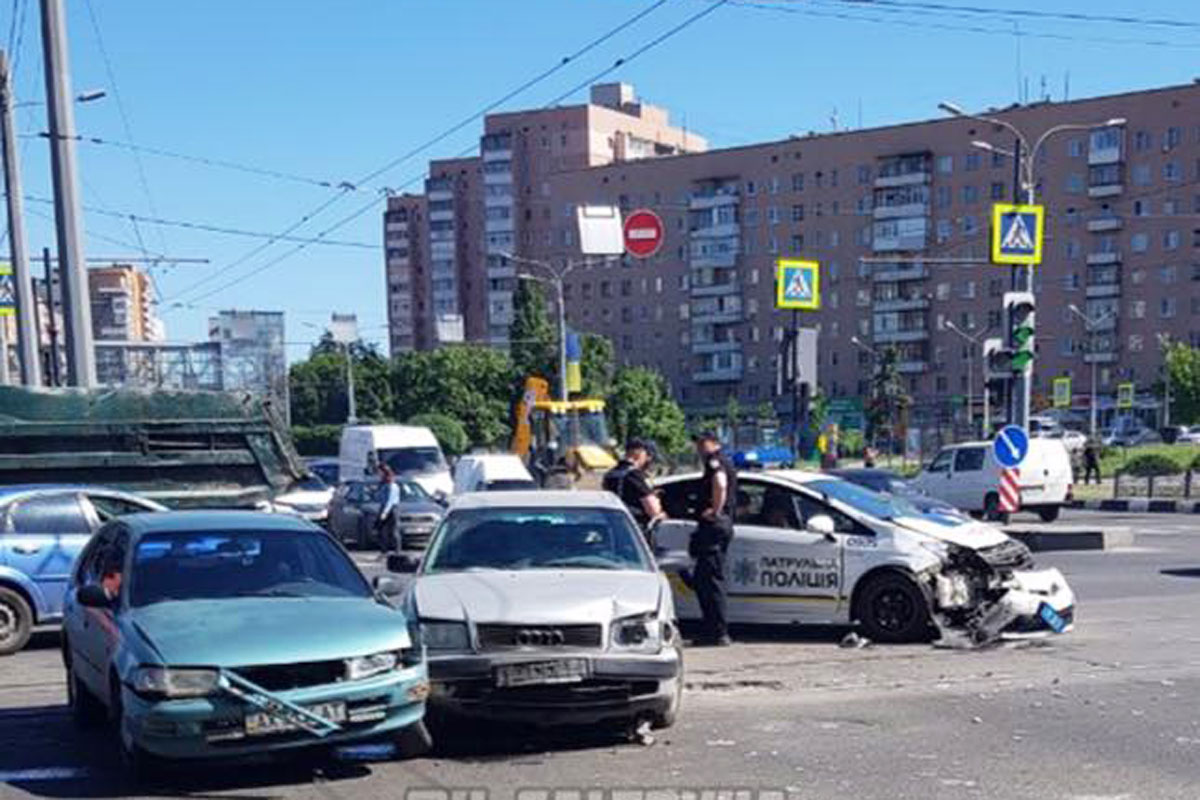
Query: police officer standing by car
[630,481]
[710,541]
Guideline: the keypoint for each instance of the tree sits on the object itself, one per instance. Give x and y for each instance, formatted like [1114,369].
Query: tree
[889,401]
[598,364]
[1183,367]
[471,384]
[318,385]
[449,432]
[641,406]
[534,339]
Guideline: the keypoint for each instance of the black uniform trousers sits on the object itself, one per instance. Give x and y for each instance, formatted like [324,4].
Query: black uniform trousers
[708,546]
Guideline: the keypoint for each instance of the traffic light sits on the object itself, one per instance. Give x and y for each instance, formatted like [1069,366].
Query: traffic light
[1019,312]
[997,360]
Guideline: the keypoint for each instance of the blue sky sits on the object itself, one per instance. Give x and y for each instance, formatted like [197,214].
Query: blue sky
[334,91]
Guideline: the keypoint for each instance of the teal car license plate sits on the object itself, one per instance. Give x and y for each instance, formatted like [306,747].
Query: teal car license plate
[1052,618]
[563,670]
[260,723]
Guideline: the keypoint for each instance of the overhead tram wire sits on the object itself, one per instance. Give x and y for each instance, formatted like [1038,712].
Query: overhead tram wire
[694,18]
[544,75]
[1029,13]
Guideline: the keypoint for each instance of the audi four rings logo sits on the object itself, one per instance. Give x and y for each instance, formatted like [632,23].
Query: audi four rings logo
[540,637]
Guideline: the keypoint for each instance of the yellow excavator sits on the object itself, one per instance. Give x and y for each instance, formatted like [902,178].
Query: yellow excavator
[564,442]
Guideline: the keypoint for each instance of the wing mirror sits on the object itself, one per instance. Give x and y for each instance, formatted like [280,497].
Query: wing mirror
[821,524]
[92,595]
[387,586]
[402,563]
[441,498]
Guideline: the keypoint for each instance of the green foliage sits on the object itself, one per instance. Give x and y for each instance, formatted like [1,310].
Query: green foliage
[318,385]
[889,400]
[449,432]
[766,414]
[598,364]
[317,440]
[534,338]
[851,443]
[1151,465]
[471,384]
[641,406]
[1183,366]
[1194,464]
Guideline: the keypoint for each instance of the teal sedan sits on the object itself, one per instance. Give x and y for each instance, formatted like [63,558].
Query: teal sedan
[204,634]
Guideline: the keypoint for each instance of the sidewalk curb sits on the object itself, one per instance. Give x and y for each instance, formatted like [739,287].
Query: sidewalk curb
[1140,505]
[1040,541]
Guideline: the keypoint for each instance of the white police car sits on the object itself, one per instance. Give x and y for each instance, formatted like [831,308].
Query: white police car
[812,548]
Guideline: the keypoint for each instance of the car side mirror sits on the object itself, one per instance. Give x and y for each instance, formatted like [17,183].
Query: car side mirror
[387,586]
[441,498]
[822,524]
[92,595]
[402,563]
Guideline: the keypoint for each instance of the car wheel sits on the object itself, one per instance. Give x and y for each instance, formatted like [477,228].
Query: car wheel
[667,718]
[413,741]
[991,509]
[892,609]
[86,710]
[16,622]
[139,765]
[1049,514]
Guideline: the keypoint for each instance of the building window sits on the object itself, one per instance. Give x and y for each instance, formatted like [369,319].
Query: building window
[1137,309]
[1139,242]
[750,216]
[774,185]
[1172,172]
[969,224]
[970,194]
[945,164]
[772,245]
[1171,240]
[1075,148]
[864,174]
[1075,183]
[797,243]
[968,290]
[943,291]
[971,162]
[1173,138]
[772,215]
[998,189]
[944,230]
[798,182]
[1168,275]
[1142,141]
[1141,208]
[1141,175]
[751,189]
[798,212]
[1073,249]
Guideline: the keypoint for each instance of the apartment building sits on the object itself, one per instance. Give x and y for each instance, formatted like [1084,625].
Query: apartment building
[123,305]
[483,209]
[898,217]
[406,242]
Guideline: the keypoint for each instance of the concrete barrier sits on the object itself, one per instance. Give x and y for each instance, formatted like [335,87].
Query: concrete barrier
[1042,539]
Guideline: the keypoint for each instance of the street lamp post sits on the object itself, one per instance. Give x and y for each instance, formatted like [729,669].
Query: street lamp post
[557,277]
[351,399]
[1092,324]
[1025,159]
[975,341]
[874,353]
[1164,343]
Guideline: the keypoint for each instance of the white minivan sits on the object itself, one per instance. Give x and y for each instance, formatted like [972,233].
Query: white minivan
[492,472]
[412,452]
[968,476]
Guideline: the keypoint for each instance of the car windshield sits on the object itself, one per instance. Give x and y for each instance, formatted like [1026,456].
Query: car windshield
[511,485]
[312,483]
[531,538]
[413,492]
[882,506]
[217,565]
[413,460]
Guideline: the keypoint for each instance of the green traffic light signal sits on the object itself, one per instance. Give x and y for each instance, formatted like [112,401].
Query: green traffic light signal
[1021,360]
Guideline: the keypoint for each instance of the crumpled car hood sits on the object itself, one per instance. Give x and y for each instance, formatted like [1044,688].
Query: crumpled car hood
[970,534]
[537,596]
[274,630]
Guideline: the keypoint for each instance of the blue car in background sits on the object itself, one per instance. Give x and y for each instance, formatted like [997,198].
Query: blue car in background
[42,530]
[205,634]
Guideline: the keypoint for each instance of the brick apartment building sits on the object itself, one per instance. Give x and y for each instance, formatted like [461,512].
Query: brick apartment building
[898,216]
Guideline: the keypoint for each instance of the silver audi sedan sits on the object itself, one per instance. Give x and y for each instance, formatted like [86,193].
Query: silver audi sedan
[546,608]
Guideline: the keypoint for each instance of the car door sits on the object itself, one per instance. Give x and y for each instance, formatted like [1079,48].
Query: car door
[43,534]
[777,569]
[937,479]
[969,483]
[101,634]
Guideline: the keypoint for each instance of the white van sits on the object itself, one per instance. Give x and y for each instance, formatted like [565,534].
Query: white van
[412,452]
[968,476]
[492,472]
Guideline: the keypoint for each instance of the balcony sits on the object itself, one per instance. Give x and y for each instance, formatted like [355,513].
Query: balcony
[727,230]
[1106,190]
[498,225]
[902,304]
[1109,223]
[726,260]
[1098,290]
[898,274]
[896,337]
[716,316]
[1103,357]
[1098,259]
[719,375]
[716,289]
[493,177]
[442,215]
[903,179]
[724,196]
[906,210]
[705,348]
[912,367]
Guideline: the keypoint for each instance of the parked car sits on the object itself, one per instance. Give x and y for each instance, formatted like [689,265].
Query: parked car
[1132,437]
[1074,441]
[546,608]
[412,452]
[42,530]
[491,472]
[812,548]
[967,475]
[212,634]
[882,480]
[324,468]
[308,498]
[354,510]
[1192,436]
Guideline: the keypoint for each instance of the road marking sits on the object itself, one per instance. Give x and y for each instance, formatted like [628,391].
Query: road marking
[42,774]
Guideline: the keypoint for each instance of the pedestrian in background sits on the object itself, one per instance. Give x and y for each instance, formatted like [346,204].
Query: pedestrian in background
[710,541]
[630,481]
[387,525]
[1091,460]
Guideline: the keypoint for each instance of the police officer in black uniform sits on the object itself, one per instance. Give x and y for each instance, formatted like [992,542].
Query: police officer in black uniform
[710,541]
[630,481]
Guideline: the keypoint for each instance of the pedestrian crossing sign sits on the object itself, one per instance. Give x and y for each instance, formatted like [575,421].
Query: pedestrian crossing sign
[1062,392]
[1125,393]
[1017,232]
[797,285]
[8,293]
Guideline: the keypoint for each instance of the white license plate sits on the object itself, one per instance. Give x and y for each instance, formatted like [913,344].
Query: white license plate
[260,723]
[565,670]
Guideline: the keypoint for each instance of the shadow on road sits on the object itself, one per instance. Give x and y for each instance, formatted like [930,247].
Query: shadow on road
[1181,572]
[767,634]
[45,639]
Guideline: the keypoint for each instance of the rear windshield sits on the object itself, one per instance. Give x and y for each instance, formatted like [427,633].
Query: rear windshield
[413,460]
[213,565]
[514,485]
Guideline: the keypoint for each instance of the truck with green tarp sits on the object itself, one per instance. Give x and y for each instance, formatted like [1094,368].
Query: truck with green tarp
[186,449]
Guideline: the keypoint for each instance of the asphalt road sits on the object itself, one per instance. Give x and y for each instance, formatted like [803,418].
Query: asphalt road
[1106,712]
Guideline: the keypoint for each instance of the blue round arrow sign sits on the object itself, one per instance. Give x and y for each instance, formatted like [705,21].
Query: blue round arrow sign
[1011,445]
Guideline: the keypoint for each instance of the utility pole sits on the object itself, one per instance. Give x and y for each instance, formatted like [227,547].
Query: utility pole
[77,311]
[51,323]
[352,401]
[26,303]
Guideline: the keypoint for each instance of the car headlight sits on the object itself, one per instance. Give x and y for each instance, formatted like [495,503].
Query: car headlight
[167,682]
[937,547]
[643,633]
[368,666]
[445,635]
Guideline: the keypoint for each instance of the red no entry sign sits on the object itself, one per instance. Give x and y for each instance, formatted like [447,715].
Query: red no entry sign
[643,233]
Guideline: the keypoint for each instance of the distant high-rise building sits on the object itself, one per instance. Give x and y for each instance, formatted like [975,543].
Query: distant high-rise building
[252,354]
[123,305]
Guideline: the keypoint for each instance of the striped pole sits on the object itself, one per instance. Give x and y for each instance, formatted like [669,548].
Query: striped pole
[1010,492]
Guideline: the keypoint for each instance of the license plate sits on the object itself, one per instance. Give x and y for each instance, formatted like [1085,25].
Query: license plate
[1052,618]
[566,670]
[260,723]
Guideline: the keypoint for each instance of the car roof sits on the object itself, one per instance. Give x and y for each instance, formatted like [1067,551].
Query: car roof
[864,472]
[536,499]
[210,520]
[26,488]
[800,476]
